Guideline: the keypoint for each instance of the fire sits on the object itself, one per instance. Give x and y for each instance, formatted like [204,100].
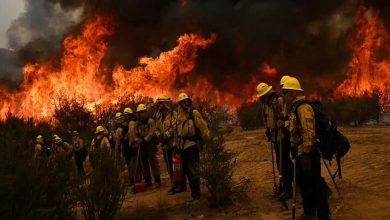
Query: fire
[268,70]
[44,83]
[369,68]
[78,75]
[157,75]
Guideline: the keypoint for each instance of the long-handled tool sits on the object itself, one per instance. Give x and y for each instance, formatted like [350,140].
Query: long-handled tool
[281,185]
[338,171]
[294,198]
[328,169]
[136,167]
[276,188]
[280,163]
[167,162]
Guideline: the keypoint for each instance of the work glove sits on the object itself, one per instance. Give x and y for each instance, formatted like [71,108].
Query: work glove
[139,140]
[305,162]
[167,135]
[268,134]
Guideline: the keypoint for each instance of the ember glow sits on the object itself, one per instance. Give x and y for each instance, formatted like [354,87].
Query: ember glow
[369,68]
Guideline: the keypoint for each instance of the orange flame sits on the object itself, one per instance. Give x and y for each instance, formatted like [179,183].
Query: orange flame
[157,75]
[268,70]
[43,82]
[369,68]
[77,75]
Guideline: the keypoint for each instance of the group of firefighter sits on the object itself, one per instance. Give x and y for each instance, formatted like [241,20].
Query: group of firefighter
[290,128]
[137,138]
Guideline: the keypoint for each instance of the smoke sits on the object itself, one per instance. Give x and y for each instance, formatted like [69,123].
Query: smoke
[303,38]
[38,32]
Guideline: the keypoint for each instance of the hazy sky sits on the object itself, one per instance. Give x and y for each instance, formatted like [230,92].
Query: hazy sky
[9,10]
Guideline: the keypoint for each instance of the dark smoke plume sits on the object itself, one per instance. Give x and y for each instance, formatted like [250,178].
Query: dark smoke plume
[303,38]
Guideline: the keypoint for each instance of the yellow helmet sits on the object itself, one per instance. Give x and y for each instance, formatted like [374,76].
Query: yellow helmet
[182,96]
[141,107]
[262,89]
[99,129]
[292,83]
[163,98]
[127,111]
[283,79]
[39,139]
[118,117]
[57,139]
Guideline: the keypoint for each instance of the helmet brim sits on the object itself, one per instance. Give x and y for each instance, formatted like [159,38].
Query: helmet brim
[291,88]
[264,92]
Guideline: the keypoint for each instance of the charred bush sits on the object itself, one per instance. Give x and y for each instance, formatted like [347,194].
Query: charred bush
[250,115]
[72,114]
[103,192]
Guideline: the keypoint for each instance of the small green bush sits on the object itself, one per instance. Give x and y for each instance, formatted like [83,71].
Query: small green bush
[103,192]
[32,189]
[216,168]
[250,115]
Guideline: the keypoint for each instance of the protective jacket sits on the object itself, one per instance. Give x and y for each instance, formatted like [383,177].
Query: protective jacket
[101,141]
[274,111]
[141,131]
[302,127]
[165,128]
[190,127]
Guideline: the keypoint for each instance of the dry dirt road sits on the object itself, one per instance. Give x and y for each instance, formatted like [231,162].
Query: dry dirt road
[364,188]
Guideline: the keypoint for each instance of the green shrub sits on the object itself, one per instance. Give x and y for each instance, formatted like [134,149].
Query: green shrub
[250,115]
[103,192]
[355,110]
[32,189]
[216,168]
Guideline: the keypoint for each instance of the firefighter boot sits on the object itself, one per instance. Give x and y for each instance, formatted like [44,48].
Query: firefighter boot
[157,180]
[148,181]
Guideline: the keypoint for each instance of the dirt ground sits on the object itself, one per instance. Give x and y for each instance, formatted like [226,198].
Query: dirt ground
[364,188]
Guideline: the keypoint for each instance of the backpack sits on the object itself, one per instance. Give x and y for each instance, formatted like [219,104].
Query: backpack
[198,134]
[331,142]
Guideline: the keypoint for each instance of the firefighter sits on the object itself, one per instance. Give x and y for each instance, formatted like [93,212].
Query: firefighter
[274,116]
[191,130]
[79,152]
[312,186]
[146,137]
[166,123]
[130,148]
[120,133]
[59,146]
[40,149]
[131,151]
[99,142]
